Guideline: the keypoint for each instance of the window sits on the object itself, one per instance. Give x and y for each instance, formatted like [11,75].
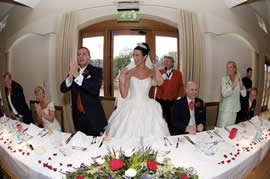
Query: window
[111,44]
[266,92]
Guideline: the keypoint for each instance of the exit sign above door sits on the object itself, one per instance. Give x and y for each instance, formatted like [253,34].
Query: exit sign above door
[128,16]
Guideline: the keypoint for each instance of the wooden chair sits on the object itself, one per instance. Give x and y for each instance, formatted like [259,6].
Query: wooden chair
[211,109]
[34,114]
[108,104]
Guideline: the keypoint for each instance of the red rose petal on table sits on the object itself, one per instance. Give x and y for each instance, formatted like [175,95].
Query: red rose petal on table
[7,139]
[5,142]
[248,150]
[233,158]
[230,153]
[28,153]
[235,155]
[218,163]
[238,153]
[50,167]
[69,165]
[39,161]
[228,161]
[60,164]
[251,147]
[55,169]
[67,171]
[10,142]
[222,162]
[238,150]
[54,154]
[98,156]
[225,156]
[23,153]
[20,150]
[14,151]
[49,158]
[237,145]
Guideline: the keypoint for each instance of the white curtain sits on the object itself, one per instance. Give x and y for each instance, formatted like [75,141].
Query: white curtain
[66,44]
[3,69]
[191,49]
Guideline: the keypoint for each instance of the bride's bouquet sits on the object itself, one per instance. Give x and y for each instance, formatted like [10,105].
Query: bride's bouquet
[142,163]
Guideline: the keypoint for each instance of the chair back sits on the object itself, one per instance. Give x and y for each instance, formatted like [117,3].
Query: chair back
[108,104]
[211,109]
[34,114]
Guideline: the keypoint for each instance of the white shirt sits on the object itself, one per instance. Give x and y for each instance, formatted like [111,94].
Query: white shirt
[192,121]
[78,79]
[11,105]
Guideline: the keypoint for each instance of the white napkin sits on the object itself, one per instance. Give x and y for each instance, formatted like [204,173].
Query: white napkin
[34,130]
[79,140]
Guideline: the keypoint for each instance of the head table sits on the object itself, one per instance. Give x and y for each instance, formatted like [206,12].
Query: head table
[212,154]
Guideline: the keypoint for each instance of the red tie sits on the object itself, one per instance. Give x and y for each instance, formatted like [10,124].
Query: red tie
[191,105]
[9,91]
[79,104]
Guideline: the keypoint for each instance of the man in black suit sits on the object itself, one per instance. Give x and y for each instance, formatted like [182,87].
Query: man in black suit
[248,105]
[16,100]
[188,113]
[247,80]
[84,81]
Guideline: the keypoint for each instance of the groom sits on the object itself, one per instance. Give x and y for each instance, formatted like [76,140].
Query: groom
[84,81]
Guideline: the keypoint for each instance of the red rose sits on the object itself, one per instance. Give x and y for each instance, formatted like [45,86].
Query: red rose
[116,164]
[85,72]
[151,165]
[184,176]
[79,177]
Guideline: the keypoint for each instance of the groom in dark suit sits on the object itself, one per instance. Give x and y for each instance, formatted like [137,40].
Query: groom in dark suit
[188,113]
[84,81]
[16,100]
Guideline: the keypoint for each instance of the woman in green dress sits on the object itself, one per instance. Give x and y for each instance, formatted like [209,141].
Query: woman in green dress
[231,89]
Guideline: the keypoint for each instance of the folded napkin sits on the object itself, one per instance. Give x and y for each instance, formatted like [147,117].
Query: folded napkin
[80,139]
[34,130]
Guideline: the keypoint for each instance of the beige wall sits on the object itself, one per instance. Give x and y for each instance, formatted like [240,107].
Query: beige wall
[214,17]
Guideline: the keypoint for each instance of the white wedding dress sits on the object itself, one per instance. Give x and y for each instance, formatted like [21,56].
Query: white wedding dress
[138,115]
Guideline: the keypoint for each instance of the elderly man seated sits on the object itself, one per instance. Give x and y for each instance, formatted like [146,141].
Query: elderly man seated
[188,113]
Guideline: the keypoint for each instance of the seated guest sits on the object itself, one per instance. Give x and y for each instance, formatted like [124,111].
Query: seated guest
[188,113]
[231,89]
[16,100]
[45,110]
[248,105]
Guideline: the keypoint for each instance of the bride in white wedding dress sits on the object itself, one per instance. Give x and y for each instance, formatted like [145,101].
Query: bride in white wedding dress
[138,115]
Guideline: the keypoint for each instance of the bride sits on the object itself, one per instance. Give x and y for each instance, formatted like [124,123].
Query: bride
[138,115]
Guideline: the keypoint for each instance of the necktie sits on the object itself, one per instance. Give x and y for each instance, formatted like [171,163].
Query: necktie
[191,105]
[79,104]
[9,91]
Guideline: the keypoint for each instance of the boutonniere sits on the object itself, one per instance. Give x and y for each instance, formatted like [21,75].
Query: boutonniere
[85,72]
[198,104]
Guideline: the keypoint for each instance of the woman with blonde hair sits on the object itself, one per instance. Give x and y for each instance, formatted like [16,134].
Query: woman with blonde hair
[45,110]
[231,89]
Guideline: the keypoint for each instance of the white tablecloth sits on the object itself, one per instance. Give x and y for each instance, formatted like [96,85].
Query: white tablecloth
[52,157]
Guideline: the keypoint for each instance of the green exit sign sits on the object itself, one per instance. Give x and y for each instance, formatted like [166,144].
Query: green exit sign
[128,16]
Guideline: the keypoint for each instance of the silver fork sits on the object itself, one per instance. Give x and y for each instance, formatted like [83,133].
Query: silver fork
[168,140]
[210,134]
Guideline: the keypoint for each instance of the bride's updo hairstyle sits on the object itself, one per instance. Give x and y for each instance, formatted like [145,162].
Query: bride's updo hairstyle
[143,47]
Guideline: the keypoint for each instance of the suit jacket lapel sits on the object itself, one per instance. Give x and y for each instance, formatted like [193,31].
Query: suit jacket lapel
[186,106]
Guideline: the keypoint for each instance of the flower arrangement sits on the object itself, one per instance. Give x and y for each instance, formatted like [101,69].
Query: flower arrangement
[143,163]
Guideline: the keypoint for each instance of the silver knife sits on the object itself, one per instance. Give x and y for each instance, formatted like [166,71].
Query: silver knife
[177,142]
[68,140]
[101,143]
[187,137]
